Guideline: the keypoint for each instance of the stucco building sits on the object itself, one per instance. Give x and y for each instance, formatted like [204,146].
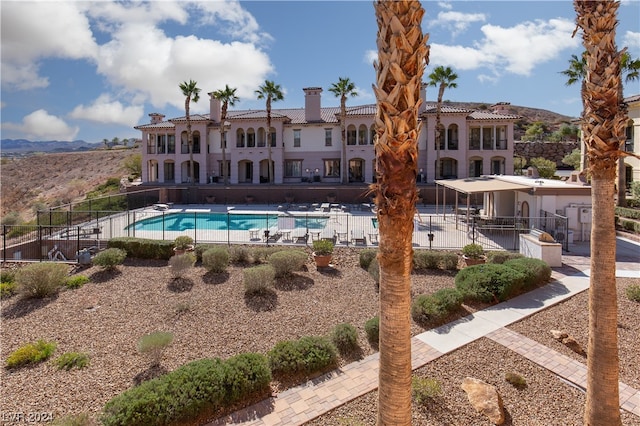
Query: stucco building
[306,144]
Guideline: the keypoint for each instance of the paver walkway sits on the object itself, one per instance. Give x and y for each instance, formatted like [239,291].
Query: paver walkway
[300,404]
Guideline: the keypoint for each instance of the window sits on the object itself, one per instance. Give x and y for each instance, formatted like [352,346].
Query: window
[487,138]
[362,135]
[327,137]
[162,144]
[292,168]
[151,146]
[272,136]
[296,138]
[169,171]
[452,137]
[351,135]
[240,138]
[372,136]
[332,168]
[474,138]
[171,144]
[196,142]
[251,138]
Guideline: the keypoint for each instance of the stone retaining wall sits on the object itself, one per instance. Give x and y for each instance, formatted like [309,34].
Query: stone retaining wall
[554,151]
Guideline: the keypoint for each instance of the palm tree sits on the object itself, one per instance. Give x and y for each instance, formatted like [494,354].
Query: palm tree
[442,78]
[402,56]
[603,128]
[228,97]
[106,143]
[577,72]
[192,93]
[343,88]
[272,93]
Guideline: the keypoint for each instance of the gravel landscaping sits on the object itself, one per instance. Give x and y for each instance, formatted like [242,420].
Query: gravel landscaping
[210,316]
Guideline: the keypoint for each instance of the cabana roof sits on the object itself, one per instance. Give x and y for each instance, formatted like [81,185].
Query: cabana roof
[481,184]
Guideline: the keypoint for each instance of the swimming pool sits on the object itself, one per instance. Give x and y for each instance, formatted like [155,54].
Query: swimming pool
[182,221]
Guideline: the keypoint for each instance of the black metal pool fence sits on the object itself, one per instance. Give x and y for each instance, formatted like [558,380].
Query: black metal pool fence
[431,231]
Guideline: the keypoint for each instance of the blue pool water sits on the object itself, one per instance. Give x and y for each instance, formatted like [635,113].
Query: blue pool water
[220,221]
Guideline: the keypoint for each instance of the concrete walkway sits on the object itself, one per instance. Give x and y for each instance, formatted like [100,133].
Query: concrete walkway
[303,403]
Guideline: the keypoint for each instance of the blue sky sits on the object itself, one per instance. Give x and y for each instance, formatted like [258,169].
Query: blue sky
[94,70]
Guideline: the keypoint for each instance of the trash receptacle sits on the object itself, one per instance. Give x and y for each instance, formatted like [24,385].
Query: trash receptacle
[84,257]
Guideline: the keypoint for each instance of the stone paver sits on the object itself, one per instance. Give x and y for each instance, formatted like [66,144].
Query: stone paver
[303,403]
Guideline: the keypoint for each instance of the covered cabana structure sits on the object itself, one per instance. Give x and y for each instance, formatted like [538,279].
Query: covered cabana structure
[498,196]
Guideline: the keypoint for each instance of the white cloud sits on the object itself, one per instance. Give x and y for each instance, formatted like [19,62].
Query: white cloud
[33,31]
[43,126]
[105,110]
[631,40]
[457,22]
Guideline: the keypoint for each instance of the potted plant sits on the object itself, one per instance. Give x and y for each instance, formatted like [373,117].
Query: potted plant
[473,254]
[183,244]
[322,251]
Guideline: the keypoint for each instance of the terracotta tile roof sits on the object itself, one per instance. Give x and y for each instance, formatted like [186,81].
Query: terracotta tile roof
[634,98]
[161,125]
[431,109]
[488,115]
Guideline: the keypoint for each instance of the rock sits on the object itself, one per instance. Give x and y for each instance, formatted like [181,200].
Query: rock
[485,399]
[559,335]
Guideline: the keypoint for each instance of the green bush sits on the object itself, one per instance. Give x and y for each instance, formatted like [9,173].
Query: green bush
[372,329]
[216,259]
[76,281]
[142,248]
[426,259]
[110,258]
[181,263]
[154,344]
[635,190]
[629,225]
[183,242]
[501,256]
[239,255]
[286,261]
[374,271]
[536,271]
[366,256]
[473,251]
[31,353]
[489,282]
[69,360]
[309,354]
[43,279]
[7,276]
[7,289]
[628,213]
[633,292]
[449,261]
[516,380]
[262,253]
[425,389]
[437,306]
[258,279]
[345,338]
[194,390]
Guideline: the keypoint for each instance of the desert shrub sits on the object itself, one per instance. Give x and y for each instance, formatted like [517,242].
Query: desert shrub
[345,338]
[426,259]
[489,282]
[110,258]
[154,344]
[286,261]
[309,354]
[516,380]
[41,279]
[246,374]
[425,389]
[193,390]
[183,242]
[372,329]
[374,271]
[633,292]
[437,306]
[142,248]
[31,353]
[448,260]
[76,281]
[366,256]
[262,253]
[11,218]
[69,360]
[7,289]
[536,271]
[7,276]
[81,419]
[501,256]
[216,259]
[258,279]
[628,213]
[181,263]
[239,254]
[629,225]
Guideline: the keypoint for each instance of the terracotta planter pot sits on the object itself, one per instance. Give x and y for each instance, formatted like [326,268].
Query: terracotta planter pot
[322,261]
[178,251]
[469,261]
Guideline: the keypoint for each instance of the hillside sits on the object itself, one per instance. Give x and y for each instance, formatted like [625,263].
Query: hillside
[55,178]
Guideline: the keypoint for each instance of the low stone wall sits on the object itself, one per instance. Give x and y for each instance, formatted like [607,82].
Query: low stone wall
[554,151]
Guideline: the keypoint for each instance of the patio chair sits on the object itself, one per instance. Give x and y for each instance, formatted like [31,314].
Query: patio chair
[357,237]
[286,225]
[299,235]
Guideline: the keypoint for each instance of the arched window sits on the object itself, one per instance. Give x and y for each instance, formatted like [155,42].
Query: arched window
[240,138]
[251,138]
[362,135]
[351,135]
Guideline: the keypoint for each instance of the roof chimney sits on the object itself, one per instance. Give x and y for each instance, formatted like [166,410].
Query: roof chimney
[215,108]
[312,109]
[156,117]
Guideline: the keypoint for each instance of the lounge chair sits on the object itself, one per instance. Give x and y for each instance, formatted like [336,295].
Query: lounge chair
[357,237]
[161,206]
[299,235]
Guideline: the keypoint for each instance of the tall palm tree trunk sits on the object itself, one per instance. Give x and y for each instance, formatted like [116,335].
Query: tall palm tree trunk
[402,53]
[189,143]
[270,165]
[343,135]
[603,129]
